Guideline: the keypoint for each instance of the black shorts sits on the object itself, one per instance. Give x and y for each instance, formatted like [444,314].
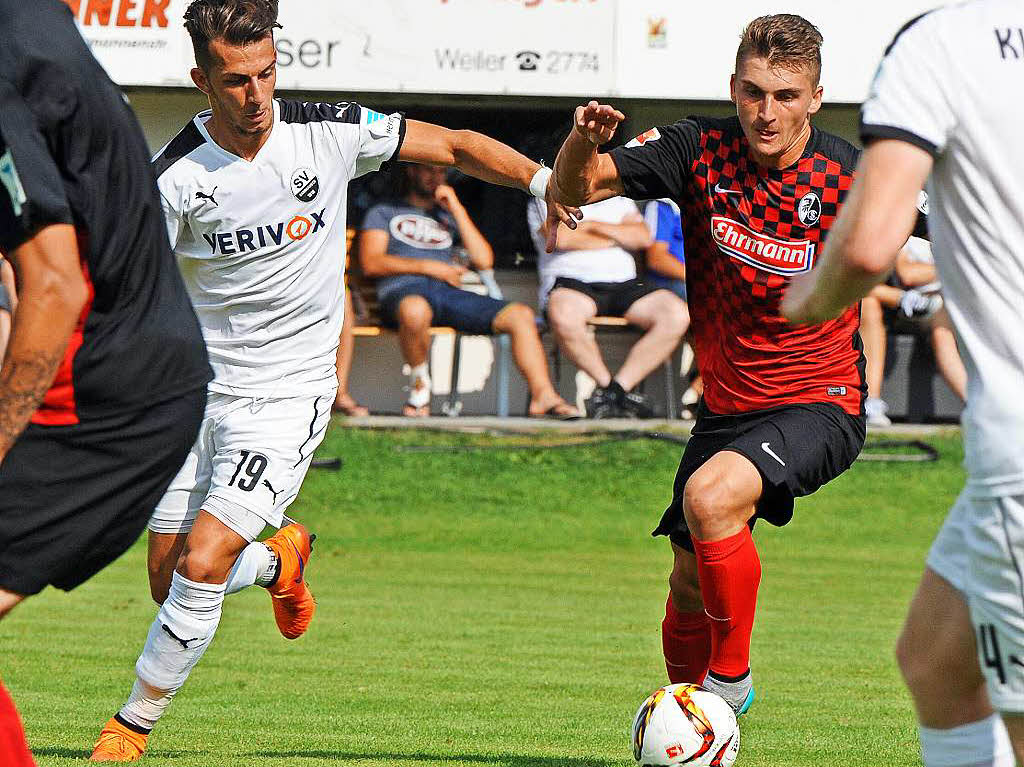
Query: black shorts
[796,448]
[74,498]
[613,299]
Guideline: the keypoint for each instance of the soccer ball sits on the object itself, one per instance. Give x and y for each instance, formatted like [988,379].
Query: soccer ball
[685,724]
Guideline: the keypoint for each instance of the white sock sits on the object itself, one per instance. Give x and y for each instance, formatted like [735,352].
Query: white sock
[419,385]
[145,706]
[978,744]
[180,634]
[257,564]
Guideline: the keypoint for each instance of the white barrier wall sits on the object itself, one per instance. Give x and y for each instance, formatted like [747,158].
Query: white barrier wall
[655,49]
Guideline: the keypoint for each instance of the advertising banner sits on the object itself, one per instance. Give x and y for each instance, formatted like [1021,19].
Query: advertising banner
[656,49]
[522,47]
[139,42]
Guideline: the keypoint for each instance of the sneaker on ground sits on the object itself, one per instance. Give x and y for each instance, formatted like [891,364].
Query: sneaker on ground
[293,602]
[738,693]
[603,404]
[875,409]
[915,305]
[118,743]
[635,405]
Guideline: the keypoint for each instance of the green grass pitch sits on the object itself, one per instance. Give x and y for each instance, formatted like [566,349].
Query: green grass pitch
[502,609]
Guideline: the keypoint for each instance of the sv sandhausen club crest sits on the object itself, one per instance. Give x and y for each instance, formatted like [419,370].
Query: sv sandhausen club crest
[305,185]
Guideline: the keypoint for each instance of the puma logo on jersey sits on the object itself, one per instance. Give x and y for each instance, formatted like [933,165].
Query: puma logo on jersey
[271,489]
[783,257]
[210,197]
[251,240]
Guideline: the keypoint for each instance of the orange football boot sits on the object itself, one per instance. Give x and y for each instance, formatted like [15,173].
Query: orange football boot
[117,743]
[293,602]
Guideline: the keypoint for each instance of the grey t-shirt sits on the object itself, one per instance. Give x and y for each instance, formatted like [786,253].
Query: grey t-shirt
[412,233]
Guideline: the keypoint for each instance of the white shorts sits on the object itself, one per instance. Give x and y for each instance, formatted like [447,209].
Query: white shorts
[980,551]
[247,463]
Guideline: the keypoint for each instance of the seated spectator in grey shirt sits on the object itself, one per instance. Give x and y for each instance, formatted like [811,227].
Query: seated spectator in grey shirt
[408,246]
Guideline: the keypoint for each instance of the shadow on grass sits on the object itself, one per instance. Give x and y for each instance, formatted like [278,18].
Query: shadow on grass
[80,753]
[513,760]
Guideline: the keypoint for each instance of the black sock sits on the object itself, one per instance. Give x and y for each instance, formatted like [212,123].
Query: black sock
[133,727]
[616,390]
[729,679]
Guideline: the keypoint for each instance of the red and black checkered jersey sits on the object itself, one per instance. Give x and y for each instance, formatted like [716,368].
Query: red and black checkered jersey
[747,230]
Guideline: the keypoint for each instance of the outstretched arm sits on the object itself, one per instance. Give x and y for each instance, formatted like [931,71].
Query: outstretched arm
[875,222]
[479,156]
[581,175]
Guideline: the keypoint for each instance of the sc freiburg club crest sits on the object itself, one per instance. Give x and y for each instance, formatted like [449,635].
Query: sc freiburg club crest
[305,185]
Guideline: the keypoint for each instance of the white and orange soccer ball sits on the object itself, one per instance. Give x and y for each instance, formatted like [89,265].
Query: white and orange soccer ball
[685,724]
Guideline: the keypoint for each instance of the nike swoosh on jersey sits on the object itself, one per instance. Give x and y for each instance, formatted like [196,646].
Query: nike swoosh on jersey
[720,190]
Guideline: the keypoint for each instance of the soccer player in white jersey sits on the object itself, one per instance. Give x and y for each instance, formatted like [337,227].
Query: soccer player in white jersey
[254,193]
[945,105]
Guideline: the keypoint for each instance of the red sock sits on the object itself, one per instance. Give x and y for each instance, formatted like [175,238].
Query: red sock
[729,571]
[686,642]
[13,748]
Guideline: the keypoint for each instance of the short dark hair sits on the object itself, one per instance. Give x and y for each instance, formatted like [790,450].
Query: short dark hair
[239,22]
[785,40]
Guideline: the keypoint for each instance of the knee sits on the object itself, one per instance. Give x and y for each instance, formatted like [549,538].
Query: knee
[202,565]
[870,311]
[705,499]
[414,313]
[675,319]
[517,318]
[565,319]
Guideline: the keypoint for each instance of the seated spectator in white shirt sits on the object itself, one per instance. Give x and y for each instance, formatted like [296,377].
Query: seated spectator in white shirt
[592,273]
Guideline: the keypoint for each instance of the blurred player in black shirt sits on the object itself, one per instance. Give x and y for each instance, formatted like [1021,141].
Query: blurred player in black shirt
[103,386]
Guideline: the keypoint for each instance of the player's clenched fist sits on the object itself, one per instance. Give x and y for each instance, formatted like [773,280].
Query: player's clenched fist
[597,122]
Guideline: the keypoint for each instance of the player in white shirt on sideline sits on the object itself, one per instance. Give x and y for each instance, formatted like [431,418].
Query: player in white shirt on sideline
[945,102]
[254,193]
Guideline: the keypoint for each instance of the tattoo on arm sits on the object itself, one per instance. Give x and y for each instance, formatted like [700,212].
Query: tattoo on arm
[24,381]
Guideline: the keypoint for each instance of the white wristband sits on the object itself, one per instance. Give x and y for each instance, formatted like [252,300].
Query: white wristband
[539,182]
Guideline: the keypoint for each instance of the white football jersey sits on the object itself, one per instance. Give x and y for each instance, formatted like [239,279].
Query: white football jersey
[261,244]
[950,83]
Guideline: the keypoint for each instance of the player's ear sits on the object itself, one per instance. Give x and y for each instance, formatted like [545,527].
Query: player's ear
[732,88]
[816,100]
[200,79]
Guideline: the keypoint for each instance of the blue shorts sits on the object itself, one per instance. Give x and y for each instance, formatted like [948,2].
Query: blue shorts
[463,310]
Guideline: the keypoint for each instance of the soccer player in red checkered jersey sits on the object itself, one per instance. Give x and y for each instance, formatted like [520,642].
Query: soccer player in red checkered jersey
[782,412]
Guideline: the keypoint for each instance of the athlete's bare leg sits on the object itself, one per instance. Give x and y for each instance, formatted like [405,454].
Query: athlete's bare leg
[664,318]
[713,592]
[937,656]
[568,312]
[163,554]
[210,550]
